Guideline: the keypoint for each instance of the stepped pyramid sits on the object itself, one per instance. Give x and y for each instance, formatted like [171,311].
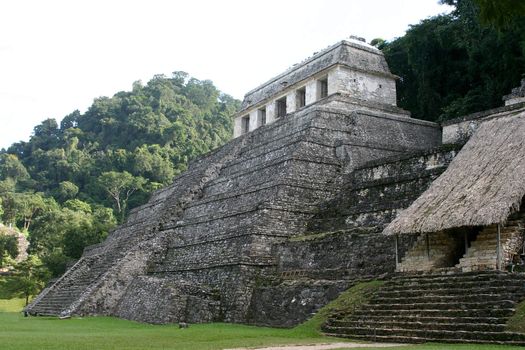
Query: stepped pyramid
[211,246]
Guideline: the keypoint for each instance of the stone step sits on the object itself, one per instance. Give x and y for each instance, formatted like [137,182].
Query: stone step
[420,319]
[482,260]
[500,312]
[486,245]
[428,334]
[518,290]
[430,287]
[451,305]
[402,324]
[415,339]
[455,275]
[473,298]
[457,307]
[467,283]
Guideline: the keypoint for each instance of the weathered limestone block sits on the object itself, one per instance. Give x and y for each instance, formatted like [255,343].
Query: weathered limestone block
[291,302]
[161,300]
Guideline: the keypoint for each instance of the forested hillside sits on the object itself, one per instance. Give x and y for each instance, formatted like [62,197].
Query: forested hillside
[463,62]
[73,182]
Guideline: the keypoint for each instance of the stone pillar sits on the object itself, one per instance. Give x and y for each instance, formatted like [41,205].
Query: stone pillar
[335,80]
[396,247]
[254,120]
[237,127]
[291,102]
[498,248]
[311,91]
[270,112]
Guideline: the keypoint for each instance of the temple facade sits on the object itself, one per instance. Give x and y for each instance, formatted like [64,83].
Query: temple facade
[349,67]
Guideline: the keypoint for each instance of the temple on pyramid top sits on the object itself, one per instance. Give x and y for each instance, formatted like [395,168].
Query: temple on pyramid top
[351,67]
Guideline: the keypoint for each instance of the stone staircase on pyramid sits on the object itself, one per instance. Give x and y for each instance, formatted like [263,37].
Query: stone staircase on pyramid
[65,296]
[449,307]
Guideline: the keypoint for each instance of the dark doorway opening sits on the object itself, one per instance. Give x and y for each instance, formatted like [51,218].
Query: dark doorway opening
[463,237]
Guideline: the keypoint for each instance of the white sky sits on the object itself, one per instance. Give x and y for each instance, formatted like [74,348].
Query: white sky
[57,56]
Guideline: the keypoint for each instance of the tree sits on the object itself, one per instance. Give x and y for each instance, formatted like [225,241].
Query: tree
[28,278]
[78,206]
[27,205]
[79,233]
[12,168]
[497,13]
[120,186]
[154,163]
[448,67]
[378,42]
[66,190]
[101,163]
[56,262]
[8,248]
[46,135]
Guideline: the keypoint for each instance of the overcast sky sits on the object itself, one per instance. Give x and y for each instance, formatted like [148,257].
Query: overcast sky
[57,56]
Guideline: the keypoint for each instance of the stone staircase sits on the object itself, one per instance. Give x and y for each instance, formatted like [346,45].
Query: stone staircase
[59,298]
[482,253]
[450,307]
[66,295]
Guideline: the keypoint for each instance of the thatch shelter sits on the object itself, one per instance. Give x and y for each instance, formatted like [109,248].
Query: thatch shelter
[464,218]
[483,185]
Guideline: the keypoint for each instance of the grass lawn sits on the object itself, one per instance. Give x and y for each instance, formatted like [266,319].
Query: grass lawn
[101,333]
[17,332]
[12,305]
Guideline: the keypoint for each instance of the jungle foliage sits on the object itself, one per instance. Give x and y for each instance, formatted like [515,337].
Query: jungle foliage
[73,181]
[459,63]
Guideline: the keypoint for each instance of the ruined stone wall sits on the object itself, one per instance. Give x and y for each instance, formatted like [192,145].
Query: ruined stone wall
[364,86]
[459,131]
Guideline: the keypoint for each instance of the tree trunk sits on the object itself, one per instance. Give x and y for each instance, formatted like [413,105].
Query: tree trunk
[27,223]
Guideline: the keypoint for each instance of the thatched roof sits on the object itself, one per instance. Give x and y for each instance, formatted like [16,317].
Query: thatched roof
[483,185]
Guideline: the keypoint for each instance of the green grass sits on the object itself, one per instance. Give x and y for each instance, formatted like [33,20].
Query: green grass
[517,322]
[104,333]
[6,303]
[12,305]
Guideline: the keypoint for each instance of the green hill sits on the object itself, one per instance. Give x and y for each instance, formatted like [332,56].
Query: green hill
[73,182]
